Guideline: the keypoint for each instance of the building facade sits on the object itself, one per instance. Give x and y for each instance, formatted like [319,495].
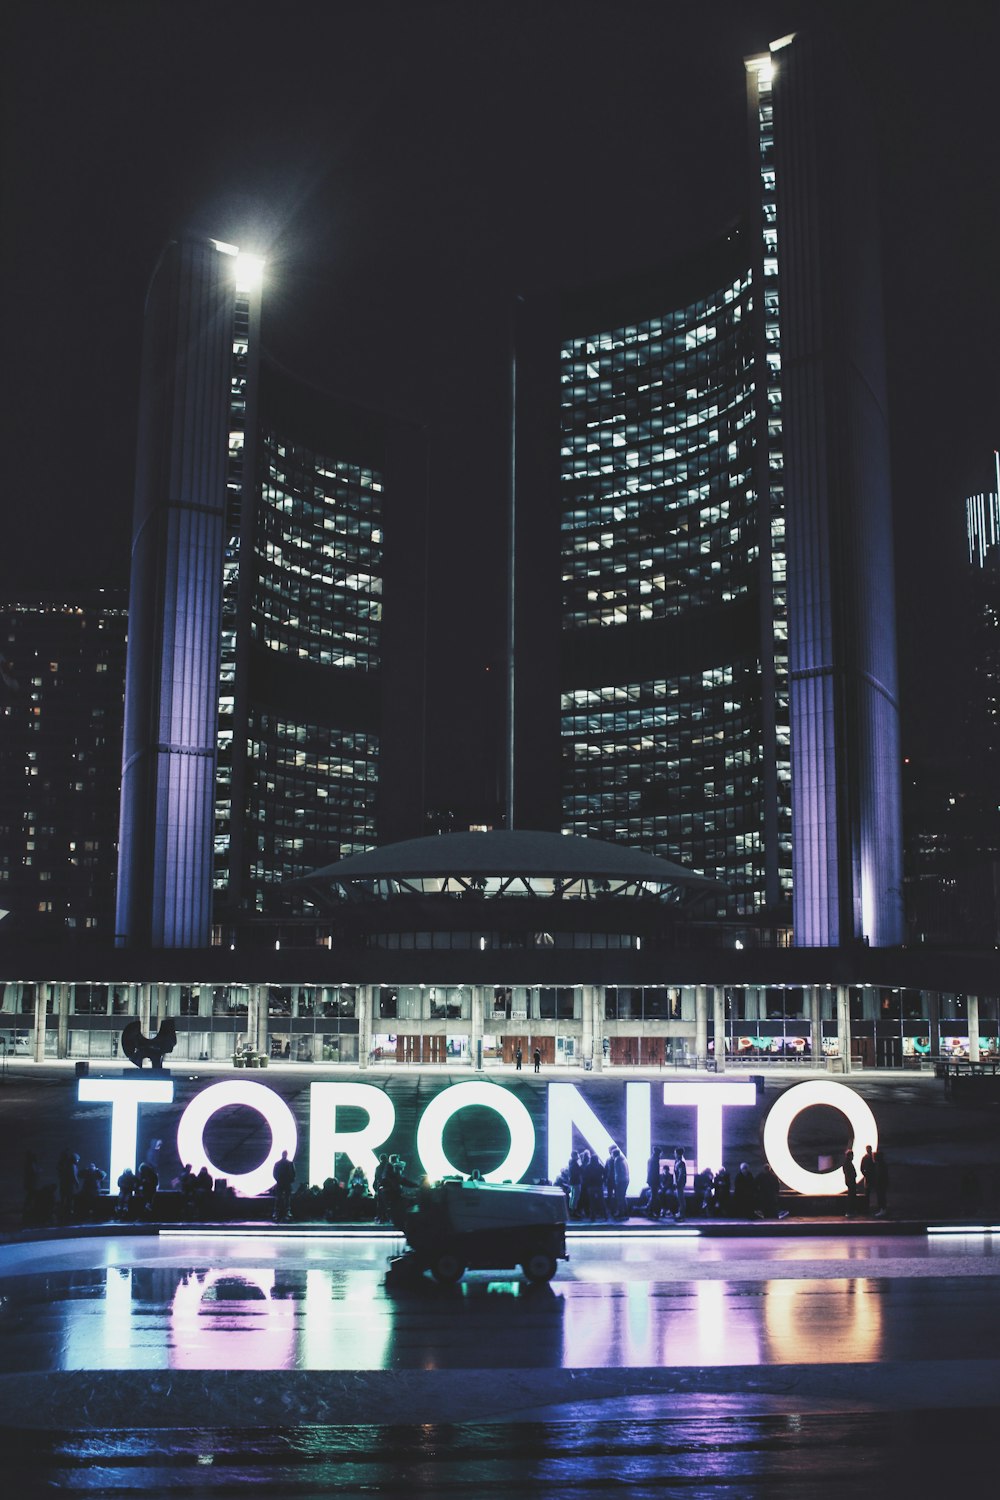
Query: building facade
[269,715]
[61,701]
[721,674]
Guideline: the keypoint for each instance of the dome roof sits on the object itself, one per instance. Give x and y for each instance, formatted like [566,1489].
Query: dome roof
[505,854]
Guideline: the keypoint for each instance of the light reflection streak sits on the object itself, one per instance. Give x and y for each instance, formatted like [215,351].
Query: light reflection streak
[797,1324]
[237,1334]
[117,1311]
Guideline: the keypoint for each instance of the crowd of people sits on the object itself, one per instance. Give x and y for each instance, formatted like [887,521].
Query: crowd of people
[595,1190]
[599,1190]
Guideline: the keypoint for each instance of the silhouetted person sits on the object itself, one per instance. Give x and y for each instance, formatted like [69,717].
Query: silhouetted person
[188,1185]
[618,1183]
[766,1186]
[722,1190]
[518,1055]
[538,1059]
[680,1174]
[147,1181]
[126,1194]
[68,1179]
[868,1177]
[378,1184]
[204,1191]
[89,1198]
[593,1185]
[851,1179]
[702,1196]
[574,1180]
[284,1177]
[743,1193]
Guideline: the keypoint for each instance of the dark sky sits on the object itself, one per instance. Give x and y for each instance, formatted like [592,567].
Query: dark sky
[406,167]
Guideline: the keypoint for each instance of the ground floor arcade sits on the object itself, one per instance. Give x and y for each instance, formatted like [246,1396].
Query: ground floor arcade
[591,1026]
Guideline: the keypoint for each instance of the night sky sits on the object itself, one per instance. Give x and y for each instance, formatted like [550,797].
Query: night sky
[406,168]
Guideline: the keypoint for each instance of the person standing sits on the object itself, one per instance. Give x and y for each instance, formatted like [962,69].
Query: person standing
[538,1060]
[851,1179]
[68,1178]
[743,1193]
[574,1173]
[619,1183]
[680,1182]
[284,1176]
[868,1177]
[593,1183]
[517,1058]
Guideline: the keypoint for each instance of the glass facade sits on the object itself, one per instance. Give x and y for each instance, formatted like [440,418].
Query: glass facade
[314,597]
[319,563]
[660,522]
[312,798]
[61,708]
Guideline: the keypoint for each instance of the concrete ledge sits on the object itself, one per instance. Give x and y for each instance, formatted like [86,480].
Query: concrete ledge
[82,1401]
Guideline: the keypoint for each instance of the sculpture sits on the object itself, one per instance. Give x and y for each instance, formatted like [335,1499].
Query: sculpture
[137,1047]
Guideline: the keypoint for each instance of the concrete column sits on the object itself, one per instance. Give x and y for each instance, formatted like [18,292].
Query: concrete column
[816,1026]
[144,990]
[587,1044]
[62,1020]
[934,1021]
[844,1025]
[597,998]
[260,1034]
[476,1030]
[972,1014]
[41,995]
[295,1002]
[700,1024]
[719,1026]
[364,1015]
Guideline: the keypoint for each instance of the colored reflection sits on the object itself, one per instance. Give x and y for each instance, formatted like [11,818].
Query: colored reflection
[231,1320]
[824,1322]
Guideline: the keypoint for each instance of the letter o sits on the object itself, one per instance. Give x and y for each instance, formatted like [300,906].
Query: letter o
[430,1132]
[281,1121]
[789,1106]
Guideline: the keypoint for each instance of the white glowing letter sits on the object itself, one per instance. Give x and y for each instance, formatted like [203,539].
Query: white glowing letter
[124,1096]
[430,1131]
[325,1140]
[568,1107]
[709,1100]
[281,1121]
[638,1136]
[788,1106]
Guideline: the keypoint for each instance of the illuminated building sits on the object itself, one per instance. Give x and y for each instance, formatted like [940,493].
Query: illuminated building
[60,761]
[718,507]
[265,722]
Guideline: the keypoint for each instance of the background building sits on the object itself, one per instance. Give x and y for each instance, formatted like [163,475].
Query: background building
[61,699]
[953,804]
[722,659]
[270,716]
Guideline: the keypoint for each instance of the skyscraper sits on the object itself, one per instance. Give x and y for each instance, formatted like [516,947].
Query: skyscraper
[265,723]
[717,504]
[61,698]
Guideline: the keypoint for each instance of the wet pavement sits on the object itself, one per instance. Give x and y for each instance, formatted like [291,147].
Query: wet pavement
[283,1364]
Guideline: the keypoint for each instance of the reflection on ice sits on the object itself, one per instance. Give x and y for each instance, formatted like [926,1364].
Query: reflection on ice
[231,1320]
[249,1305]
